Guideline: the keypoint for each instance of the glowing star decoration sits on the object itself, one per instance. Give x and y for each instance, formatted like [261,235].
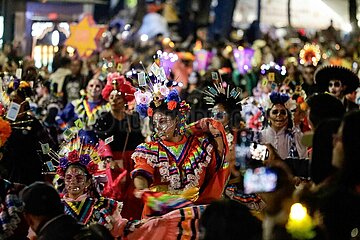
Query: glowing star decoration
[83,36]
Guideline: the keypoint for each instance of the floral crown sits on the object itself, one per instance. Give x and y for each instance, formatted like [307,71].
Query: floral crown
[310,54]
[74,152]
[156,89]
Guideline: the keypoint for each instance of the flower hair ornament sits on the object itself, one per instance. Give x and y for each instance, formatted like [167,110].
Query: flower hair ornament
[73,152]
[280,98]
[117,84]
[154,90]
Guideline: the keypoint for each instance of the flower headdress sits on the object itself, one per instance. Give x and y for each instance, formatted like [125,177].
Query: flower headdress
[74,152]
[154,90]
[280,98]
[310,54]
[117,82]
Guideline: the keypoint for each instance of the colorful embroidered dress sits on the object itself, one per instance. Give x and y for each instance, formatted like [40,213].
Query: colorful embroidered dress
[87,111]
[193,162]
[103,211]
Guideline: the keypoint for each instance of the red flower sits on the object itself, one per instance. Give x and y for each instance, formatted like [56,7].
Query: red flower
[172,105]
[73,156]
[92,167]
[149,112]
[60,171]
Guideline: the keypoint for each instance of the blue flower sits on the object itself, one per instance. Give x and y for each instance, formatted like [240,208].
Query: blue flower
[142,110]
[64,163]
[278,98]
[173,96]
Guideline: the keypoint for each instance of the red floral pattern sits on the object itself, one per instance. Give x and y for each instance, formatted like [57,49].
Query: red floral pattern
[73,156]
[172,105]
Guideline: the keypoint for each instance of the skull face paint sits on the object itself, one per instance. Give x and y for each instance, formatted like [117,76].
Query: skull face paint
[164,126]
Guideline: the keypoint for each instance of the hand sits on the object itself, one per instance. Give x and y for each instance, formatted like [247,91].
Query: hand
[214,132]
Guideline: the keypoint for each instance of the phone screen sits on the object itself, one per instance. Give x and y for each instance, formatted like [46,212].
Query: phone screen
[260,180]
[258,151]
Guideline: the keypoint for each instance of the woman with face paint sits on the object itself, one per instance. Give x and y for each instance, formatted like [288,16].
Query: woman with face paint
[80,197]
[179,159]
[281,132]
[226,108]
[338,81]
[86,109]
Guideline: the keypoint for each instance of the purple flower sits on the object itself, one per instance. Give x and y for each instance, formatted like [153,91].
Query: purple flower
[84,159]
[173,96]
[142,110]
[64,163]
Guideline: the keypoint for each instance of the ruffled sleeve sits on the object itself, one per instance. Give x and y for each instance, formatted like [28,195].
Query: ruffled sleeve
[144,156]
[202,126]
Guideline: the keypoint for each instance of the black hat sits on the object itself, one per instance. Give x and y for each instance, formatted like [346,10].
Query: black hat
[42,199]
[347,77]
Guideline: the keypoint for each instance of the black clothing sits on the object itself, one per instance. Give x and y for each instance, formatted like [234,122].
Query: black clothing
[107,126]
[23,160]
[62,227]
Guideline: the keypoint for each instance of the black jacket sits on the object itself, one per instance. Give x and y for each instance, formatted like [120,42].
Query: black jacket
[62,227]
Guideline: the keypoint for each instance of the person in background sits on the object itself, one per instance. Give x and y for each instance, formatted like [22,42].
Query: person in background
[57,78]
[338,81]
[283,132]
[44,213]
[74,82]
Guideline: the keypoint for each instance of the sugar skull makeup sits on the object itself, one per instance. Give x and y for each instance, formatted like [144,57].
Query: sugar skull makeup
[164,125]
[75,181]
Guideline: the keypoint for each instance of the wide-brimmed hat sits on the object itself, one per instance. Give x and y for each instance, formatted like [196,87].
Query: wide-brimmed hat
[347,77]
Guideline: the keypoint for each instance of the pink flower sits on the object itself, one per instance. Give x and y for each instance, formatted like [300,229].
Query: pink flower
[164,90]
[143,98]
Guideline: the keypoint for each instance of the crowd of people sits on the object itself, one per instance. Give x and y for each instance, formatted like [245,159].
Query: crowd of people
[158,139]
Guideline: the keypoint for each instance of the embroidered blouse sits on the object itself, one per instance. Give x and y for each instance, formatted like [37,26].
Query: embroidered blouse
[176,167]
[104,211]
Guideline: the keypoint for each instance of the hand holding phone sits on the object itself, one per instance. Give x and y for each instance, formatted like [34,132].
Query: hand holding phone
[259,152]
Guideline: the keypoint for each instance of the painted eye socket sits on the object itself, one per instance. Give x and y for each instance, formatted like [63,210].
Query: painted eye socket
[78,178]
[276,112]
[334,84]
[219,115]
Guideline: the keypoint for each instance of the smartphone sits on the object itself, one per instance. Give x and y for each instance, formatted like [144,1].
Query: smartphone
[259,152]
[260,180]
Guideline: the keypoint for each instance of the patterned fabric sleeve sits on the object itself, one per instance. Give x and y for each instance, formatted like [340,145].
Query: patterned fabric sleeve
[143,156]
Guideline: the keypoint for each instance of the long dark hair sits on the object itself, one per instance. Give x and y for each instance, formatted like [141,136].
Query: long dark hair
[350,173]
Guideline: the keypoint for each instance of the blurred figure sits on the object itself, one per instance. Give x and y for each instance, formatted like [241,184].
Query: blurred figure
[57,78]
[229,220]
[73,83]
[44,213]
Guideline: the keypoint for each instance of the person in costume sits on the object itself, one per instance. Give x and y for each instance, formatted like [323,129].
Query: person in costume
[21,162]
[179,160]
[87,109]
[123,123]
[282,132]
[225,106]
[338,81]
[78,162]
